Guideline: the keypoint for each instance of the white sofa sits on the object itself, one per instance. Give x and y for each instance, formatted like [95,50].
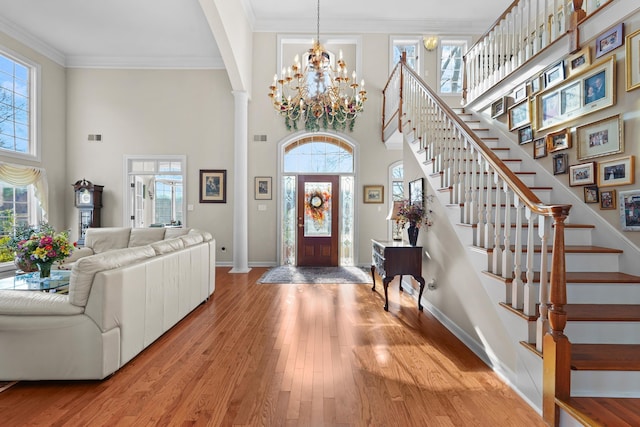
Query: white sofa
[127,287]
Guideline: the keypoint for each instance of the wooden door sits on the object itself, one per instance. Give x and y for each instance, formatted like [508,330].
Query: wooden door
[318,200]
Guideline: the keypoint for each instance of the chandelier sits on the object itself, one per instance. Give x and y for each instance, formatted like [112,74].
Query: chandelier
[319,95]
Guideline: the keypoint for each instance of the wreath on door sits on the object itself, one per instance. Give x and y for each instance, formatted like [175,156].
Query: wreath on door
[316,204]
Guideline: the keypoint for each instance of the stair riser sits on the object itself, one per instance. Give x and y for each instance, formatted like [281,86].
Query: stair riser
[605,383]
[603,332]
[577,262]
[609,293]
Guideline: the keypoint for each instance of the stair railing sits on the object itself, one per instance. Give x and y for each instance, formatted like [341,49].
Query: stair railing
[488,193]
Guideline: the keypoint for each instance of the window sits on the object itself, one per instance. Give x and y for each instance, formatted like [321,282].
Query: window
[451,65]
[411,46]
[17,129]
[17,207]
[396,176]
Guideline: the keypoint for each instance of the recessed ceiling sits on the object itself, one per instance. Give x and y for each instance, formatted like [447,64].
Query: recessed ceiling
[175,33]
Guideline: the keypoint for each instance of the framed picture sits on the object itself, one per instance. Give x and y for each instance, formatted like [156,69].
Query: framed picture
[596,87]
[609,40]
[374,193]
[499,107]
[616,172]
[570,98]
[632,48]
[608,199]
[534,85]
[559,140]
[560,162]
[579,61]
[519,115]
[591,194]
[416,191]
[262,188]
[539,148]
[213,186]
[520,93]
[630,210]
[582,174]
[554,75]
[600,138]
[525,134]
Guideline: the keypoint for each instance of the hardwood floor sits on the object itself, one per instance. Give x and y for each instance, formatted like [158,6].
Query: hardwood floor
[286,355]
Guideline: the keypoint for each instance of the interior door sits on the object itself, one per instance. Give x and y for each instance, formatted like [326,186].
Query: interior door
[138,203]
[318,200]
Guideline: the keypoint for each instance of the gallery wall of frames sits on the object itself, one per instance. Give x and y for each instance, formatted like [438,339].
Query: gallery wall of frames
[566,93]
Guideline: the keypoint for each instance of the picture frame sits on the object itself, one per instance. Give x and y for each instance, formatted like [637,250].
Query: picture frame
[416,191]
[525,135]
[560,162]
[498,107]
[582,174]
[579,61]
[632,51]
[570,98]
[616,172]
[610,40]
[213,186]
[373,194]
[262,188]
[554,75]
[519,115]
[630,210]
[548,103]
[559,140]
[608,200]
[591,194]
[600,138]
[534,85]
[520,93]
[539,148]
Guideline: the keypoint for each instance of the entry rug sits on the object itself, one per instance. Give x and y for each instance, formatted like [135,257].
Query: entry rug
[300,275]
[4,385]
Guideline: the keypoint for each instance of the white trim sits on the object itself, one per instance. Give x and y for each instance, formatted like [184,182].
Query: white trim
[31,41]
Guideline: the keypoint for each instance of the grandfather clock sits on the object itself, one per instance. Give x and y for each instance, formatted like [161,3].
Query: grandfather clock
[88,200]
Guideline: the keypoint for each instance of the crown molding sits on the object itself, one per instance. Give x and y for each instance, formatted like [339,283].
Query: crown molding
[214,63]
[31,41]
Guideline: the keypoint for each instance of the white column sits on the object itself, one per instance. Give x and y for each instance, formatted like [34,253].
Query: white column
[240,184]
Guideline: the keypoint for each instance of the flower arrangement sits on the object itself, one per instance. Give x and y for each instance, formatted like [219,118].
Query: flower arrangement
[414,213]
[44,248]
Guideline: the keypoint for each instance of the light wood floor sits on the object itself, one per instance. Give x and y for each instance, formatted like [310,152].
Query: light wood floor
[286,355]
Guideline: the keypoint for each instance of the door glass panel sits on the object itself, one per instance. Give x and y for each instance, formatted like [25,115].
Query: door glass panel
[347,206]
[289,220]
[317,209]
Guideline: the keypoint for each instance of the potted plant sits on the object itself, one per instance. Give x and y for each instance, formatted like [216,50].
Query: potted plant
[416,215]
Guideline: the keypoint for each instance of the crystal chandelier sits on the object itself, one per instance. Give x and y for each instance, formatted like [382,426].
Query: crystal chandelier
[319,95]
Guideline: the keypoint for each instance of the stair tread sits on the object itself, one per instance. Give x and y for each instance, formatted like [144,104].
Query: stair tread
[590,312]
[605,357]
[582,277]
[605,411]
[526,225]
[573,249]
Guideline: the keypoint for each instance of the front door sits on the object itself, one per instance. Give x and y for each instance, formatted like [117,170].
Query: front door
[318,198]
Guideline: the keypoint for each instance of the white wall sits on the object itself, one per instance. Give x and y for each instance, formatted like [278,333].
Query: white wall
[152,112]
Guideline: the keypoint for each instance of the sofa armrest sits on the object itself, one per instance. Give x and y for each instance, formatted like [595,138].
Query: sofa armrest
[26,303]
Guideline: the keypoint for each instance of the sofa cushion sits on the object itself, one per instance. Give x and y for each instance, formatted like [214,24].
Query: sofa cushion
[175,232]
[191,239]
[107,238]
[166,246]
[206,236]
[145,236]
[21,303]
[85,269]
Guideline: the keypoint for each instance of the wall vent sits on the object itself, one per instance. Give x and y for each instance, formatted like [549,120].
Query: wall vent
[260,138]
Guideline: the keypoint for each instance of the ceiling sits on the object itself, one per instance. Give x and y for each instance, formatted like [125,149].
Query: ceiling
[175,33]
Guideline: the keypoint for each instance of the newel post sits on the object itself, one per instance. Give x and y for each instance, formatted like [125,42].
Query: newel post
[578,15]
[403,63]
[556,377]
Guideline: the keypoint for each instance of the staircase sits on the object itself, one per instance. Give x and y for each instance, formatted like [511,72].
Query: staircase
[602,303]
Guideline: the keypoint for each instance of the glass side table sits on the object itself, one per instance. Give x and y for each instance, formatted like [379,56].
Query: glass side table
[32,281]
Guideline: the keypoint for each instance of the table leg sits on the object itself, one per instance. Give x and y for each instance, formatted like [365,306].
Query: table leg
[421,281]
[373,277]
[401,290]
[386,282]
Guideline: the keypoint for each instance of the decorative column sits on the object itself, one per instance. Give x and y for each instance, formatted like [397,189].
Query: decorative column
[240,184]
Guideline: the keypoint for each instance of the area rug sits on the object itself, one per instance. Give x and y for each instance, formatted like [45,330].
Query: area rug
[4,385]
[300,275]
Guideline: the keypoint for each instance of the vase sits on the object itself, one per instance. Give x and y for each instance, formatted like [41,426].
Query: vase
[412,231]
[45,269]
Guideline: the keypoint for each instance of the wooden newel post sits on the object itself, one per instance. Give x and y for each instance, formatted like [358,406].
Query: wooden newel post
[578,15]
[403,60]
[556,377]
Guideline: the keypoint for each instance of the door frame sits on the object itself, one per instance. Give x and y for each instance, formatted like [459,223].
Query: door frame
[297,136]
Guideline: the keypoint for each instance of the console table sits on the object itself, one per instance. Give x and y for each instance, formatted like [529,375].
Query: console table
[395,258]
